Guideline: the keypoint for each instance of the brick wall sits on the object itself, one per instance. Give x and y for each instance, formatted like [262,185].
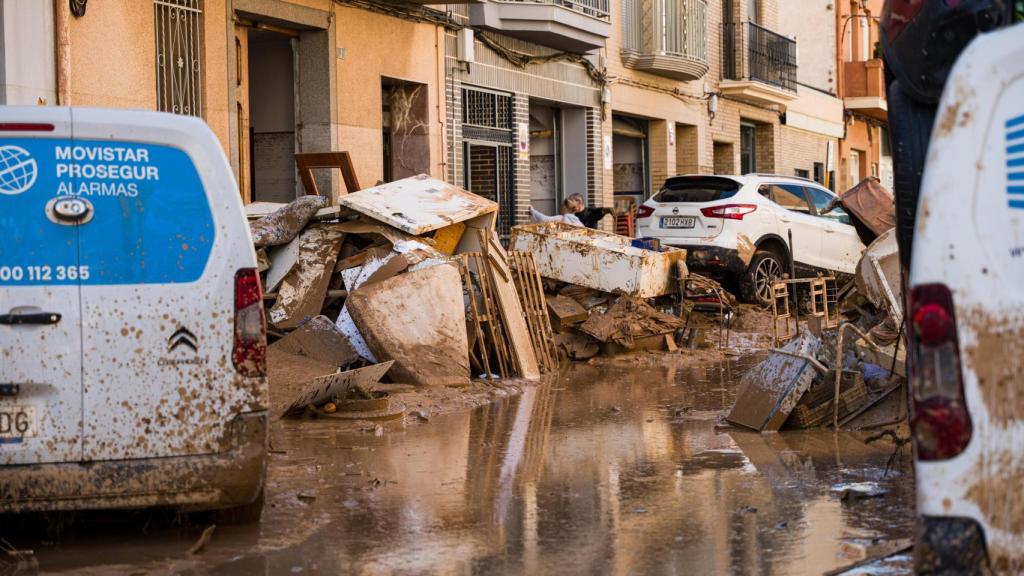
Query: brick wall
[725,158]
[799,150]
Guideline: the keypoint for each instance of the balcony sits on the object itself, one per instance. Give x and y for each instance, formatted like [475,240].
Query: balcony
[578,26]
[758,65]
[666,37]
[864,88]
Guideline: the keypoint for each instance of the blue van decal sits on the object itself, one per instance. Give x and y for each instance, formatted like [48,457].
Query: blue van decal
[1015,162]
[150,224]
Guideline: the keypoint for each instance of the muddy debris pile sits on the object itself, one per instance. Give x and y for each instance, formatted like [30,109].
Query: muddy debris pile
[409,283]
[848,374]
[406,282]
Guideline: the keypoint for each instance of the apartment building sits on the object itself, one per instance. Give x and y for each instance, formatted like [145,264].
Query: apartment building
[524,99]
[270,77]
[864,150]
[522,102]
[717,87]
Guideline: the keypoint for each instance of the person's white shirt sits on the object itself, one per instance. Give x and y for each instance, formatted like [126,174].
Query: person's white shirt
[569,219]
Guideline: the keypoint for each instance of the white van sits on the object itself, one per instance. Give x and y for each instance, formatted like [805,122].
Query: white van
[967,318]
[132,337]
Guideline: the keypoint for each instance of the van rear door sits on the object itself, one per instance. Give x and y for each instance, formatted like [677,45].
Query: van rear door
[40,321]
[163,249]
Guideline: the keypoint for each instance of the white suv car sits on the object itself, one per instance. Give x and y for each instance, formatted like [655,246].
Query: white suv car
[746,227]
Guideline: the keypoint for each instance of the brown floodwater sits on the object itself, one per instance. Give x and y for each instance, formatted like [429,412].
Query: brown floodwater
[601,470]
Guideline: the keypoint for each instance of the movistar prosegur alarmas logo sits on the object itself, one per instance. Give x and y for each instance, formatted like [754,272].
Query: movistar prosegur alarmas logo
[17,170]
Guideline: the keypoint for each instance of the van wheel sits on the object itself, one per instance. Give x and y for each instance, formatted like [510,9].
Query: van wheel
[245,514]
[756,284]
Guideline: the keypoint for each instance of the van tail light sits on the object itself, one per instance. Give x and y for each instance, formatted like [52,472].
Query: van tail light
[729,211]
[941,424]
[249,353]
[644,211]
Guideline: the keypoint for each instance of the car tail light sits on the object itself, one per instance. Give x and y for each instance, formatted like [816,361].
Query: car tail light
[644,211]
[941,424]
[898,14]
[25,127]
[729,211]
[249,354]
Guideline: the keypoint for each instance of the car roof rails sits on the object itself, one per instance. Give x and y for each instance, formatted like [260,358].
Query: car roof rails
[769,175]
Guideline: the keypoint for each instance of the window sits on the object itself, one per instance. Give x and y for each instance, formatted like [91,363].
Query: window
[822,200]
[179,41]
[801,173]
[789,196]
[753,13]
[748,149]
[691,189]
[819,172]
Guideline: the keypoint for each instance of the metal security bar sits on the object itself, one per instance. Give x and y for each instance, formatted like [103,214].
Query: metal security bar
[179,44]
[666,27]
[753,52]
[596,8]
[683,28]
[486,109]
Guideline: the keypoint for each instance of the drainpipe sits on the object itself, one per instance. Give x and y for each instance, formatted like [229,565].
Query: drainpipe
[62,41]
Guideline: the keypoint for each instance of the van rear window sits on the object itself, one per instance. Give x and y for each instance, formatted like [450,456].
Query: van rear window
[697,190]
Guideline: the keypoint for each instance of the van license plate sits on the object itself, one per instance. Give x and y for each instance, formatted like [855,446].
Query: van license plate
[678,221]
[16,422]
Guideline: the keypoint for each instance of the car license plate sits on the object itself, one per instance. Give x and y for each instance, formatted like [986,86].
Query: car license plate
[678,221]
[16,422]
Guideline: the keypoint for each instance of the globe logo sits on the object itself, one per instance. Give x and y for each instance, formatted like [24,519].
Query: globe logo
[17,170]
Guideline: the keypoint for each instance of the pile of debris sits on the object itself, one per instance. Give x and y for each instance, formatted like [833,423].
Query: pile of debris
[820,377]
[375,286]
[410,281]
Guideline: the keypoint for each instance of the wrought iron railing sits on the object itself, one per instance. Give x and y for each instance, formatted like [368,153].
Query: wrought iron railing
[666,27]
[596,8]
[753,52]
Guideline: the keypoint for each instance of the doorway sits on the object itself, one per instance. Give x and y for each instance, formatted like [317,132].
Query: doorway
[271,73]
[406,129]
[283,99]
[630,168]
[748,148]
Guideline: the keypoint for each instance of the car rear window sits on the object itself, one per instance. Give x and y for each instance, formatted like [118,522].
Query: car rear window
[692,189]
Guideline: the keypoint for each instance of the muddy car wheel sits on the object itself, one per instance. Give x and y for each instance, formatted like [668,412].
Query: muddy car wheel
[756,284]
[245,514]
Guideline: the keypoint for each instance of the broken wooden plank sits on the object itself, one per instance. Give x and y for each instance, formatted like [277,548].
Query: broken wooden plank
[446,240]
[524,357]
[418,320]
[419,204]
[324,388]
[302,291]
[565,312]
[282,260]
[318,339]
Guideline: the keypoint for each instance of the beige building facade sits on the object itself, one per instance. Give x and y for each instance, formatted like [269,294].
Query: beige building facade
[525,103]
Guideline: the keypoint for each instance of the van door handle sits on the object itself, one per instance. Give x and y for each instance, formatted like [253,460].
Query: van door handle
[830,230]
[30,318]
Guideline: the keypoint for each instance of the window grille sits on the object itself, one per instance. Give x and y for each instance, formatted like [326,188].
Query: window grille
[179,44]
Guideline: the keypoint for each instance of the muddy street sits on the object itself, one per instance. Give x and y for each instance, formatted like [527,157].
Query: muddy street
[605,468]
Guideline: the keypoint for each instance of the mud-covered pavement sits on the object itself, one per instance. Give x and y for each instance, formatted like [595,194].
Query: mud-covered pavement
[606,469]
